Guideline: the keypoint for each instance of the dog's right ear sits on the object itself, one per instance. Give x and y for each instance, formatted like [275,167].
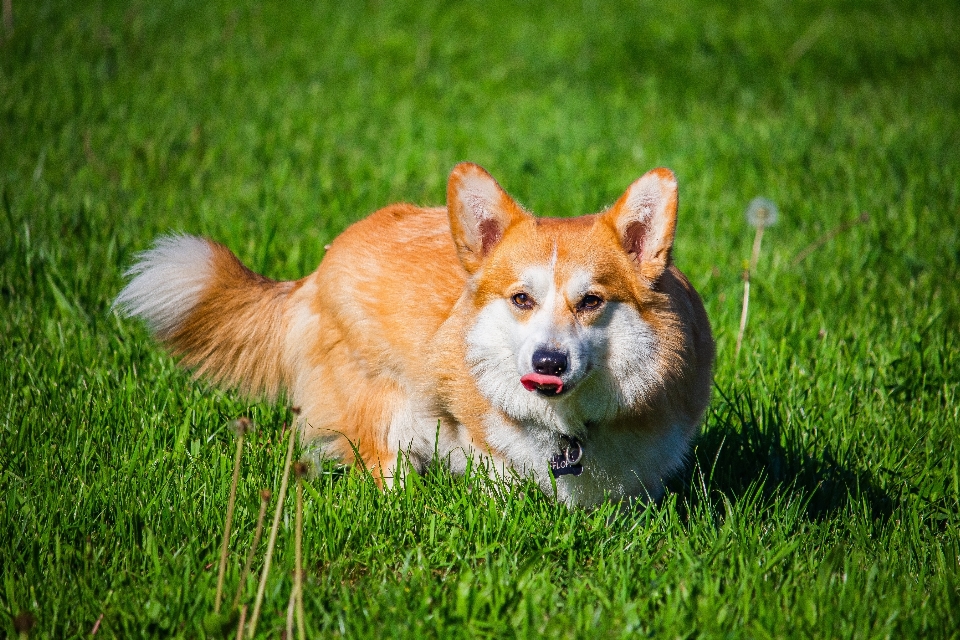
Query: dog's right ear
[480,212]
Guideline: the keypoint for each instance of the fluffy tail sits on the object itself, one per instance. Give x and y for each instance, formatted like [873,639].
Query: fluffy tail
[222,319]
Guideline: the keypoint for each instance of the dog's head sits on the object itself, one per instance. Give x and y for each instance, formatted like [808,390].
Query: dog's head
[568,319]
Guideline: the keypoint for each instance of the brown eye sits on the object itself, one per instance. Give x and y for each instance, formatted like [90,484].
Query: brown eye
[522,301]
[590,302]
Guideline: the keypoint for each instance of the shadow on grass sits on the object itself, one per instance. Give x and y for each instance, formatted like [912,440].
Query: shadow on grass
[747,443]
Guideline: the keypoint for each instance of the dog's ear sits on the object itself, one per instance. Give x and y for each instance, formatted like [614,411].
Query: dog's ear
[480,212]
[645,218]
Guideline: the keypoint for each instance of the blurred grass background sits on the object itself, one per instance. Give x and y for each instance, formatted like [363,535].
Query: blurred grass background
[822,498]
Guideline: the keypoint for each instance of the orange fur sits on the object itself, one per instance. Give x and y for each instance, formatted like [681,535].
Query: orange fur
[375,345]
[235,334]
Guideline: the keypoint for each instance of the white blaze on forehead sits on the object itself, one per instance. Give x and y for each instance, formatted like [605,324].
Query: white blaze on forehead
[538,281]
[578,284]
[540,329]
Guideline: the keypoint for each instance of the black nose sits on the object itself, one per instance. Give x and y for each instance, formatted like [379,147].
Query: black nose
[549,362]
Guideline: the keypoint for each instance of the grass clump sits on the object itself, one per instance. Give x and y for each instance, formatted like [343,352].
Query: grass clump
[823,496]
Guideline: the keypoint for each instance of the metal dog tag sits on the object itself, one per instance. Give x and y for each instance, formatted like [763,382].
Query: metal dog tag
[568,461]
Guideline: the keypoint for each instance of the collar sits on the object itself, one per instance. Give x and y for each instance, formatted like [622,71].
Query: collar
[570,459]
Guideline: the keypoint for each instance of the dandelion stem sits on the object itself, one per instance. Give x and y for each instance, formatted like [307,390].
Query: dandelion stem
[231,502]
[290,608]
[298,554]
[273,534]
[761,213]
[251,554]
[743,313]
[755,254]
[243,619]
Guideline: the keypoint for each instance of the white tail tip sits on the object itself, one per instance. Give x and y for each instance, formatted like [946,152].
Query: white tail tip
[168,280]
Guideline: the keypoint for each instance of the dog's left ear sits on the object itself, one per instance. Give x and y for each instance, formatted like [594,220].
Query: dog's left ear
[480,212]
[645,218]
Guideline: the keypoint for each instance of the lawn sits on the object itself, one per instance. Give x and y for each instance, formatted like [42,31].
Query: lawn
[823,496]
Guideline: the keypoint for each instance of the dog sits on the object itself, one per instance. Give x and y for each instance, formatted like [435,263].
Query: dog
[570,350]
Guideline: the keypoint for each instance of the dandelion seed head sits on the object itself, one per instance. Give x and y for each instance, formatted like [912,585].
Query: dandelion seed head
[301,468]
[242,425]
[24,622]
[762,212]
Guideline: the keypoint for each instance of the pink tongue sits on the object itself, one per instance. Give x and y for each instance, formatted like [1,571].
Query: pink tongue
[534,381]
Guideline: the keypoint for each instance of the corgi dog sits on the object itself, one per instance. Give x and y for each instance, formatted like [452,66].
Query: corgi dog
[569,350]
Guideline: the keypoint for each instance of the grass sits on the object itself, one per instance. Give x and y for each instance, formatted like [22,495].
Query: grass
[823,497]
